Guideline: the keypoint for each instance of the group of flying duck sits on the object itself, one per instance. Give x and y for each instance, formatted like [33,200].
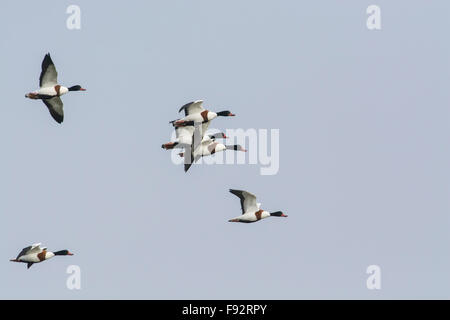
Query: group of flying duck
[190,136]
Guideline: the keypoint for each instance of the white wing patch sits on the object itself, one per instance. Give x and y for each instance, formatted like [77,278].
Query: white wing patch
[49,76]
[192,107]
[36,248]
[248,200]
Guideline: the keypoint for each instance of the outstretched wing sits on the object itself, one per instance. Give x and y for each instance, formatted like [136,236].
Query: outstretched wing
[30,249]
[192,107]
[187,165]
[55,106]
[184,135]
[248,200]
[197,136]
[205,126]
[48,77]
[190,156]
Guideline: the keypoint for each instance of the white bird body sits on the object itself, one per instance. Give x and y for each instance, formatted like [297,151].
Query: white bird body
[191,130]
[50,91]
[204,116]
[54,91]
[35,258]
[252,216]
[185,137]
[35,254]
[251,211]
[185,133]
[207,147]
[195,113]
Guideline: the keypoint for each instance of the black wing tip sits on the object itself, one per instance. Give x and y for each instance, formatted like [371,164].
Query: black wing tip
[238,193]
[56,116]
[188,164]
[185,106]
[47,58]
[45,64]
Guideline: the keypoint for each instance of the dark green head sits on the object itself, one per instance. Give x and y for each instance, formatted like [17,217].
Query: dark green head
[76,88]
[63,253]
[278,214]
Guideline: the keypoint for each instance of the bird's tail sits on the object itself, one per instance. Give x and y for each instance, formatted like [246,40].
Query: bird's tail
[169,145]
[32,95]
[182,123]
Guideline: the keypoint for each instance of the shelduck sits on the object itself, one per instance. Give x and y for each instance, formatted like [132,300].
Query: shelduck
[50,91]
[190,133]
[195,113]
[207,147]
[35,254]
[251,211]
[185,136]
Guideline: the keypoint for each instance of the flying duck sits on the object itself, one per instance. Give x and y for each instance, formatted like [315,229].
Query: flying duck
[208,147]
[35,254]
[185,136]
[202,145]
[50,91]
[251,211]
[195,113]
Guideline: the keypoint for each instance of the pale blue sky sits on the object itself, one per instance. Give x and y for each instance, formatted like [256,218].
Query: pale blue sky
[364,161]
